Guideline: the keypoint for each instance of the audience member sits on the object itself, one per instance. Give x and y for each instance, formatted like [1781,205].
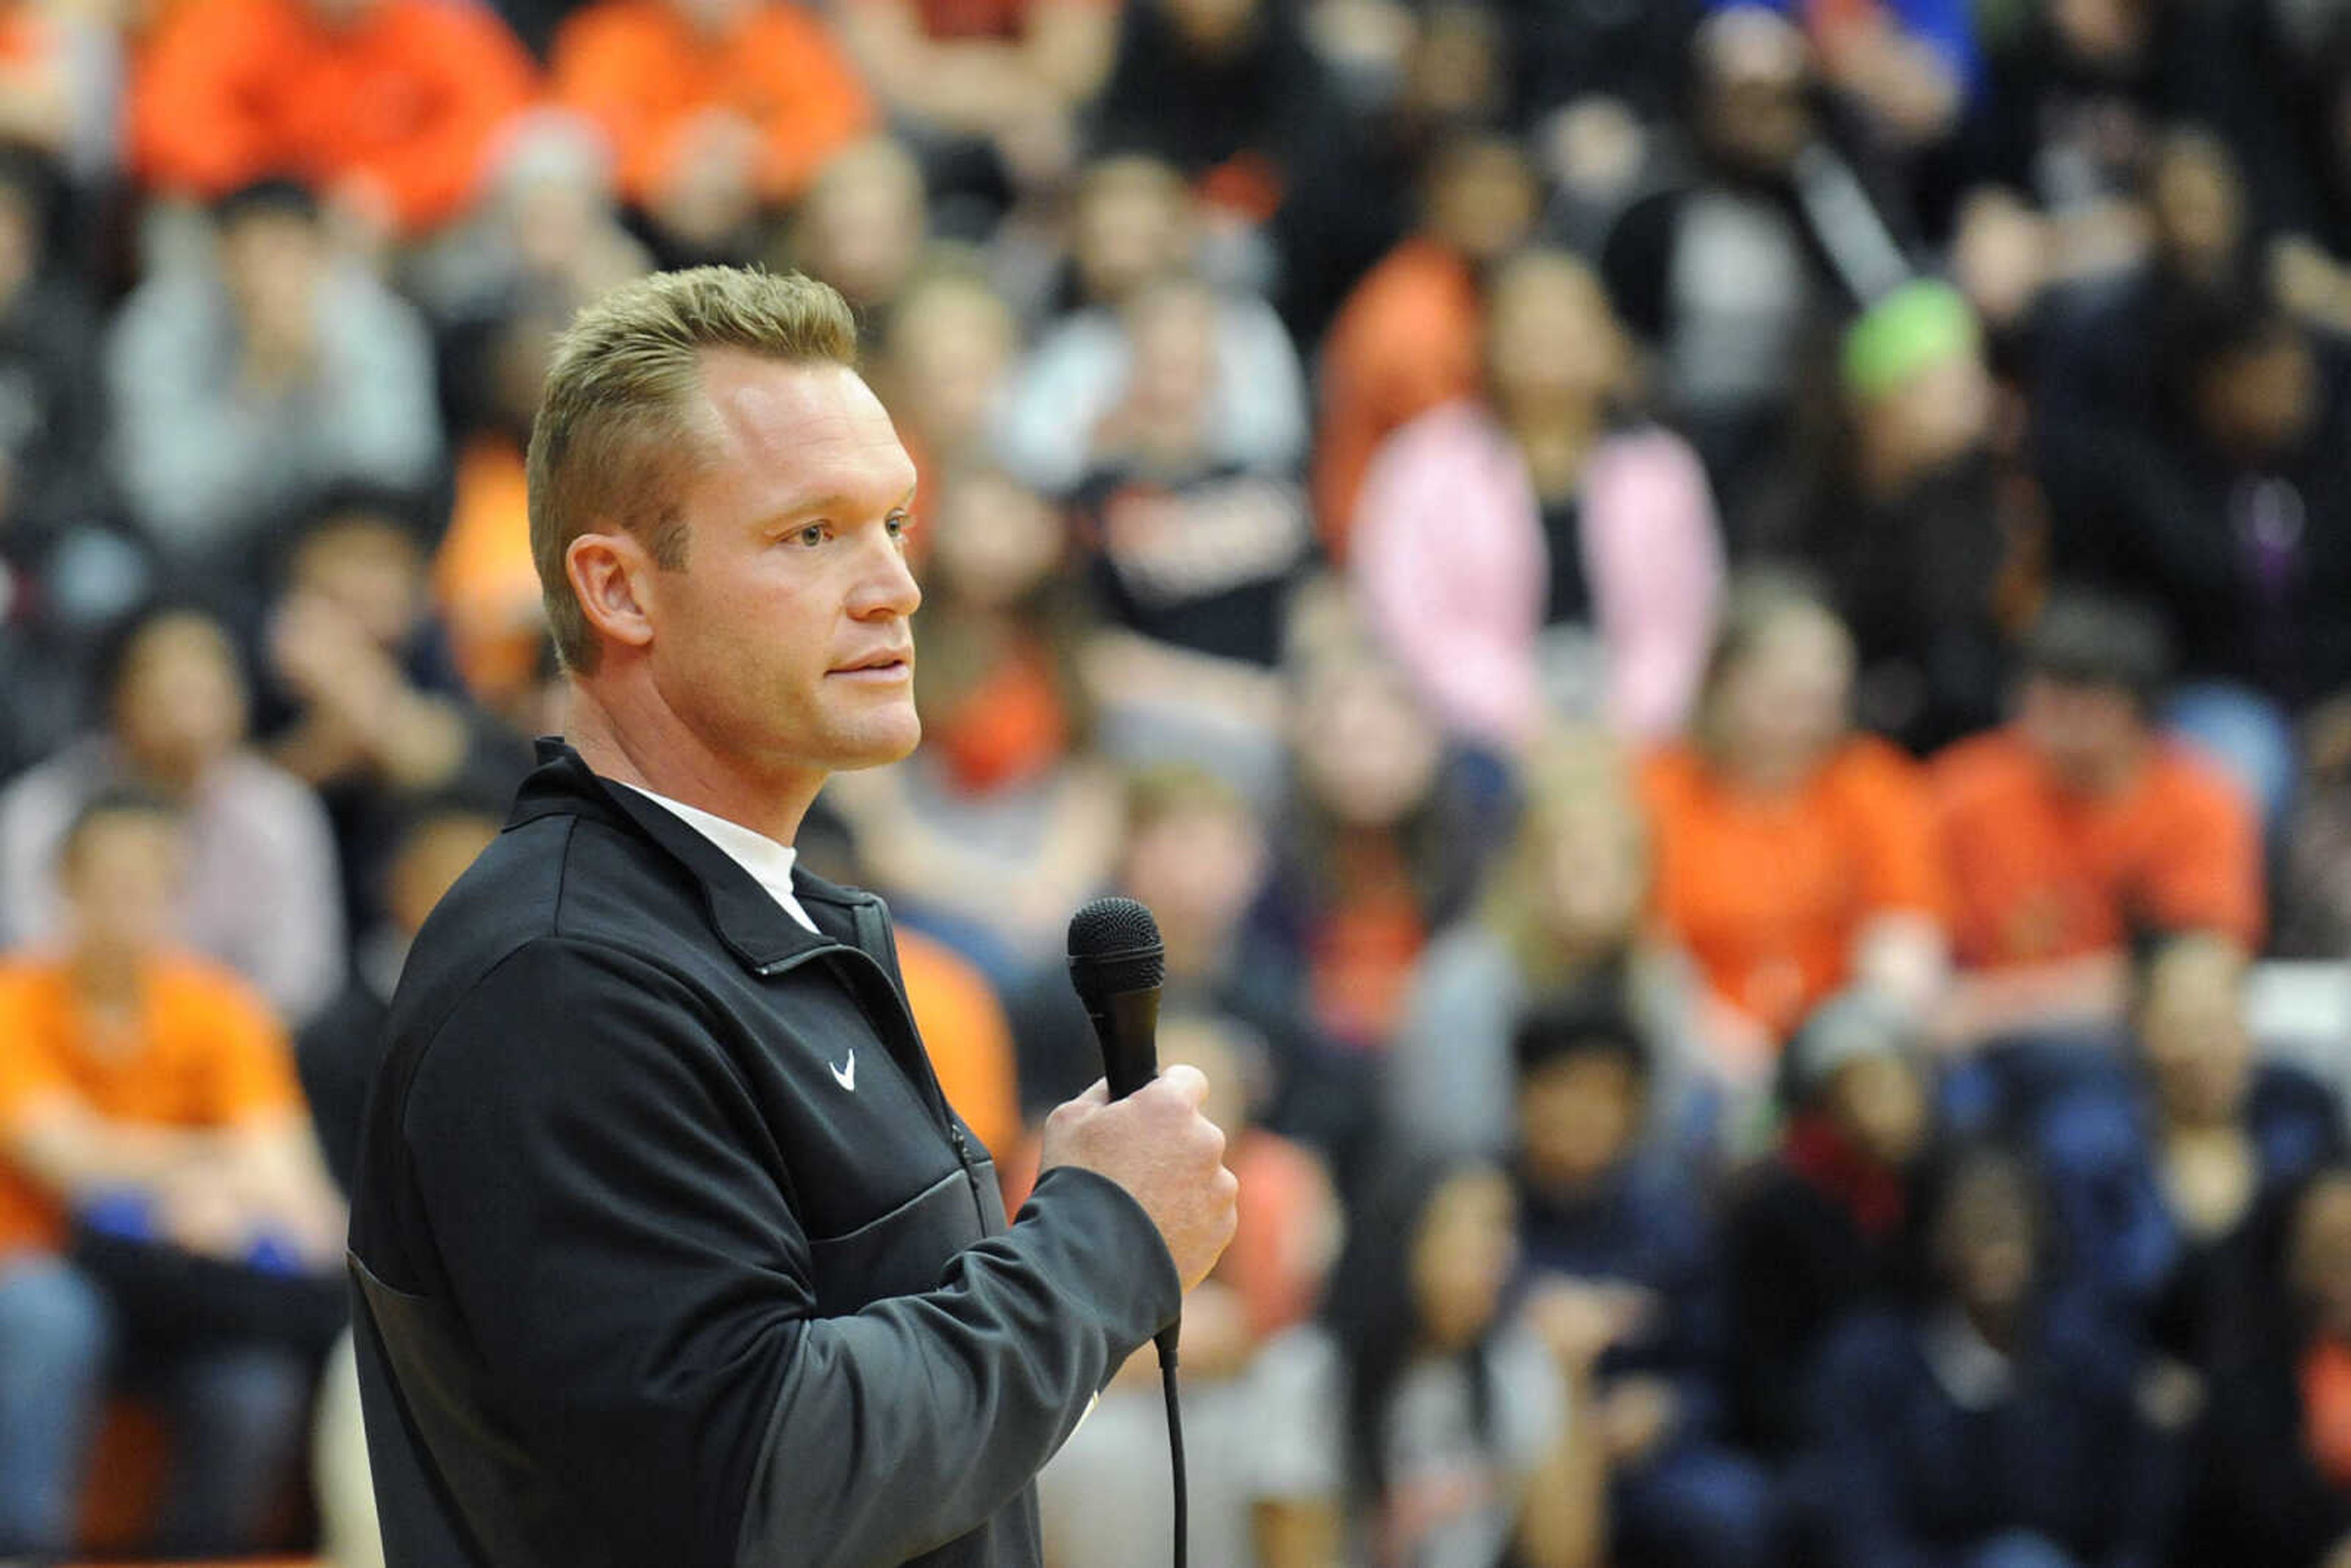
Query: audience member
[1561,910]
[543,236]
[2080,823]
[1824,1232]
[1794,858]
[1915,533]
[1191,557]
[1001,701]
[1540,554]
[374,716]
[1074,397]
[259,892]
[244,389]
[1986,1427]
[861,227]
[945,366]
[385,109]
[147,1092]
[1419,1422]
[1592,1208]
[2167,1187]
[1410,337]
[1381,843]
[718,111]
[1741,273]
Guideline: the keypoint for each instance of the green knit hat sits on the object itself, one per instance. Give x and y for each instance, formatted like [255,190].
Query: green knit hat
[1922,324]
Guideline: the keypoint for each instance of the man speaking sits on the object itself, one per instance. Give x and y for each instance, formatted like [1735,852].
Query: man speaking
[667,1248]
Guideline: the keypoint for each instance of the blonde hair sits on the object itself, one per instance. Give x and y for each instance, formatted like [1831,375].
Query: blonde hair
[618,427]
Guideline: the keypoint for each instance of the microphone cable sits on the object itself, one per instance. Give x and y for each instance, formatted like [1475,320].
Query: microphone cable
[1166,1343]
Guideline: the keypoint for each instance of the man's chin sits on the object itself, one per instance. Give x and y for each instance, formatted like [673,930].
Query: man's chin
[882,748]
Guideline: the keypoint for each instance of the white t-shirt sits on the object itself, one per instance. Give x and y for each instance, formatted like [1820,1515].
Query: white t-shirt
[769,862]
[1453,1498]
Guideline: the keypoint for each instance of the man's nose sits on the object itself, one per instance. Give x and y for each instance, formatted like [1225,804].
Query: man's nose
[886,583]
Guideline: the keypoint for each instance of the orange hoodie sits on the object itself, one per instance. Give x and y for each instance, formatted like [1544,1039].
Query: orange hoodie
[644,72]
[408,94]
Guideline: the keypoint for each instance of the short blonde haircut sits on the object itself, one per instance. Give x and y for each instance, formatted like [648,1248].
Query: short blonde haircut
[617,423]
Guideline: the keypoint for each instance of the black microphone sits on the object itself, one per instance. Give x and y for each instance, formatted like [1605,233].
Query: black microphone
[1116,963]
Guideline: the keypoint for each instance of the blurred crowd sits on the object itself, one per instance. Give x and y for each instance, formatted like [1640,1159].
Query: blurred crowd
[1719,631]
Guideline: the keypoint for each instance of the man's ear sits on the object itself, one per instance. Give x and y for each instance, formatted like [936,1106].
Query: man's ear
[612,575]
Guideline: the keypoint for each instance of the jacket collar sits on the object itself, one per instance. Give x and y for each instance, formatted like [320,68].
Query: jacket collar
[751,924]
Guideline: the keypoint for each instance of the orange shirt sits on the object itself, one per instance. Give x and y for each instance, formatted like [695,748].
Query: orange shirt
[1011,726]
[969,1041]
[1769,895]
[1405,341]
[204,1051]
[408,95]
[641,71]
[2039,874]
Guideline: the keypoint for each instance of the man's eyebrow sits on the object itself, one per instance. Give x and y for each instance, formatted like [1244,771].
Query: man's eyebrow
[833,501]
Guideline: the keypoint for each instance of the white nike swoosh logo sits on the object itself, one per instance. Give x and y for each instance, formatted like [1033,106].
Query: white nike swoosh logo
[846,1074]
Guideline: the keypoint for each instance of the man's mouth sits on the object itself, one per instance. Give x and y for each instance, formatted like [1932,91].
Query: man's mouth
[893,665]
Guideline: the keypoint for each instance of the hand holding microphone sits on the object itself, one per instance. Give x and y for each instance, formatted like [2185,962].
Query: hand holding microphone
[1152,1139]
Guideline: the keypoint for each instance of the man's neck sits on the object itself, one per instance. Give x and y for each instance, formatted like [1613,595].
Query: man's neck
[655,753]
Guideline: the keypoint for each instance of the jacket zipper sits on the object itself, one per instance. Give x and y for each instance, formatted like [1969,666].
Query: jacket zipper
[930,1075]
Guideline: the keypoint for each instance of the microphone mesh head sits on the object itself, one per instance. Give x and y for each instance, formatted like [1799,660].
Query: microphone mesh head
[1115,947]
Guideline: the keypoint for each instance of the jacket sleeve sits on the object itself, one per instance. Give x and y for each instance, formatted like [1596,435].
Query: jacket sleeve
[607,1209]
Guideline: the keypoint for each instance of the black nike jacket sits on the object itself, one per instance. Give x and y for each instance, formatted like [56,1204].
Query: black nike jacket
[667,1250]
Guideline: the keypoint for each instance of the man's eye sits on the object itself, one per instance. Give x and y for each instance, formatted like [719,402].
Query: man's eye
[898,523]
[812,536]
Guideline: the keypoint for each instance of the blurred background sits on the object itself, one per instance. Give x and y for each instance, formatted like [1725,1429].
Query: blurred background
[1720,632]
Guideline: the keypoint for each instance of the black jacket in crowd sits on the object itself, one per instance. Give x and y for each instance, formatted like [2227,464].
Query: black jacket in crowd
[667,1249]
